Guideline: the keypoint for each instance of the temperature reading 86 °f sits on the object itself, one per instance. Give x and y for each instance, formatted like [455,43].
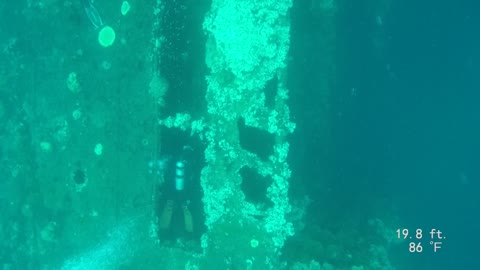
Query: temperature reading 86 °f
[415,247]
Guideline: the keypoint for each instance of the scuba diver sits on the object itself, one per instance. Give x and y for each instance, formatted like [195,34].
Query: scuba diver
[175,218]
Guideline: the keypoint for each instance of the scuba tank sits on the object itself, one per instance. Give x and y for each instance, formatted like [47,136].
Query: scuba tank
[180,175]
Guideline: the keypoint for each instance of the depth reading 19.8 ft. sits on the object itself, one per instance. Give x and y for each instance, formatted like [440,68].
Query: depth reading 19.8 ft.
[434,236]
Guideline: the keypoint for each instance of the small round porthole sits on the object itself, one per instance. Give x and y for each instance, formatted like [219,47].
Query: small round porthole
[79,177]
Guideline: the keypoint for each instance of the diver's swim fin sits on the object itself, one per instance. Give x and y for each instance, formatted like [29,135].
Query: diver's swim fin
[166,216]
[187,216]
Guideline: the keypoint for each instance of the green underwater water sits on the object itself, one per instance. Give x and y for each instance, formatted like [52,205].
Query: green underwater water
[222,134]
